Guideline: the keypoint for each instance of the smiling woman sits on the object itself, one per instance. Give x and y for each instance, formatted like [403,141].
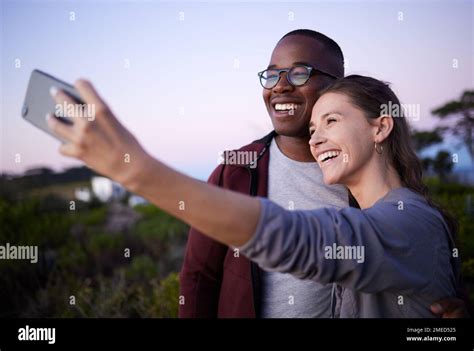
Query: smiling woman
[352,112]
[396,264]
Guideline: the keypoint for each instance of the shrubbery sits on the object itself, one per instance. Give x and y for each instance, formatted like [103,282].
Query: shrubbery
[80,259]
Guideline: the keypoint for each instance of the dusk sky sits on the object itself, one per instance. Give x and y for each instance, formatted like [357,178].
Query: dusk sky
[182,76]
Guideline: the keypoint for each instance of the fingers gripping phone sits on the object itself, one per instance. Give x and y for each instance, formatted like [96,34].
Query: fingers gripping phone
[38,101]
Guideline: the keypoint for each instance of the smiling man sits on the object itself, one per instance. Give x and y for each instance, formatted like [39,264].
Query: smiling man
[215,280]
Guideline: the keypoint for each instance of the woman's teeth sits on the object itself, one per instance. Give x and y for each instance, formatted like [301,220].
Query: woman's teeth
[285,107]
[328,155]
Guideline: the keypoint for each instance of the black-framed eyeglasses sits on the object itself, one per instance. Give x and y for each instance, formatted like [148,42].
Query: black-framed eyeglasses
[297,75]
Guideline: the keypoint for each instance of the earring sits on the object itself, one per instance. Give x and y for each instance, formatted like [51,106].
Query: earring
[378,148]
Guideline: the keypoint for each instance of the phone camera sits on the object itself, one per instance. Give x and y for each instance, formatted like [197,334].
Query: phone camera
[24,110]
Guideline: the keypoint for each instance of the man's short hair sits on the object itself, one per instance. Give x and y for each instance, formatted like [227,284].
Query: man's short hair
[328,43]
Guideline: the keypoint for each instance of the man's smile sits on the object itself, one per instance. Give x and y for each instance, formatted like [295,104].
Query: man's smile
[285,107]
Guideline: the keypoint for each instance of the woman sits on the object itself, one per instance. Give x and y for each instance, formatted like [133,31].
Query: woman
[392,258]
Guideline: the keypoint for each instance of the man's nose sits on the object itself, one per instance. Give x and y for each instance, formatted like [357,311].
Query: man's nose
[283,84]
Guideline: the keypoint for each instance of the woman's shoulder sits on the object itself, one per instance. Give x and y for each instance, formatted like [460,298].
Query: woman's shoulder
[402,198]
[402,204]
[402,194]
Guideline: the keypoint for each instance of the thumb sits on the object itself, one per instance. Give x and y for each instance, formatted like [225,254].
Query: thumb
[446,305]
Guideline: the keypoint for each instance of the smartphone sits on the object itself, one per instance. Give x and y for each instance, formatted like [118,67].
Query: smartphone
[38,101]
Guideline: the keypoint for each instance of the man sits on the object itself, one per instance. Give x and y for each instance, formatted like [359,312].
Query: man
[215,280]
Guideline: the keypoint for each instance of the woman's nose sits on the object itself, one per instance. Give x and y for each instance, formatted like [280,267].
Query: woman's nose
[316,139]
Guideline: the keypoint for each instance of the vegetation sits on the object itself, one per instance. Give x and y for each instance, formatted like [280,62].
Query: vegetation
[83,270]
[81,262]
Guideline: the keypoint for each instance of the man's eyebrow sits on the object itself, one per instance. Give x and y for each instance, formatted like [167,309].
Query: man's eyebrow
[301,63]
[294,64]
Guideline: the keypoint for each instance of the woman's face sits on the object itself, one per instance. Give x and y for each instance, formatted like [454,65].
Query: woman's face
[342,139]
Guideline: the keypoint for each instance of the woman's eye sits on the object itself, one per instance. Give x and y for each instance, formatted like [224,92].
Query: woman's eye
[311,131]
[329,120]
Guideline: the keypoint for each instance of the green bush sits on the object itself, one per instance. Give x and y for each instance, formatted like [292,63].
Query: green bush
[100,242]
[156,224]
[142,268]
[94,216]
[79,258]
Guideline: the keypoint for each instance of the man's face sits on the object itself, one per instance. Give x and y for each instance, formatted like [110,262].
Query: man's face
[297,49]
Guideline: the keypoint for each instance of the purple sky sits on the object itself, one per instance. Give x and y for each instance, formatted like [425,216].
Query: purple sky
[182,76]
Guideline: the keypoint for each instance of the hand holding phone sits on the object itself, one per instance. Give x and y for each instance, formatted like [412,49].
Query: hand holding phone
[99,139]
[38,101]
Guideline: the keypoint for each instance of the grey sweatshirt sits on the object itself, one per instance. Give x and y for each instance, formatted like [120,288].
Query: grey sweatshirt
[391,260]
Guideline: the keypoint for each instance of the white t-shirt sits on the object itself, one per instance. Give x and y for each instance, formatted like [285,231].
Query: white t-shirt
[297,185]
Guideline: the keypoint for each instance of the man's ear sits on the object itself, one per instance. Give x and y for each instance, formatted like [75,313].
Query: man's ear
[383,127]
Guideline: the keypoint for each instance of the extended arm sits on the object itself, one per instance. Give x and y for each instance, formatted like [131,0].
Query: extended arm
[110,149]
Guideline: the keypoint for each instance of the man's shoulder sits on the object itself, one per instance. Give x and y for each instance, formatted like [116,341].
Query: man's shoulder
[247,155]
[257,144]
[234,160]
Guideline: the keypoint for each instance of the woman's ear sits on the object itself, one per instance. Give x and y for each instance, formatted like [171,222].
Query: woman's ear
[384,126]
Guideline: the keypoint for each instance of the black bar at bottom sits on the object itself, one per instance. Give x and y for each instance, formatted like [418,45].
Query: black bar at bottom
[416,334]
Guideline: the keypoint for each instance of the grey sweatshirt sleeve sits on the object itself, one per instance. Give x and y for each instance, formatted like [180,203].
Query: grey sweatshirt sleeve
[400,246]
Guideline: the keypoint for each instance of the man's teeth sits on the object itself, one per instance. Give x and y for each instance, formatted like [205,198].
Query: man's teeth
[285,107]
[328,155]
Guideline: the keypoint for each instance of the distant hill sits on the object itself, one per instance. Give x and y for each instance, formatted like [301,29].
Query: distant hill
[42,177]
